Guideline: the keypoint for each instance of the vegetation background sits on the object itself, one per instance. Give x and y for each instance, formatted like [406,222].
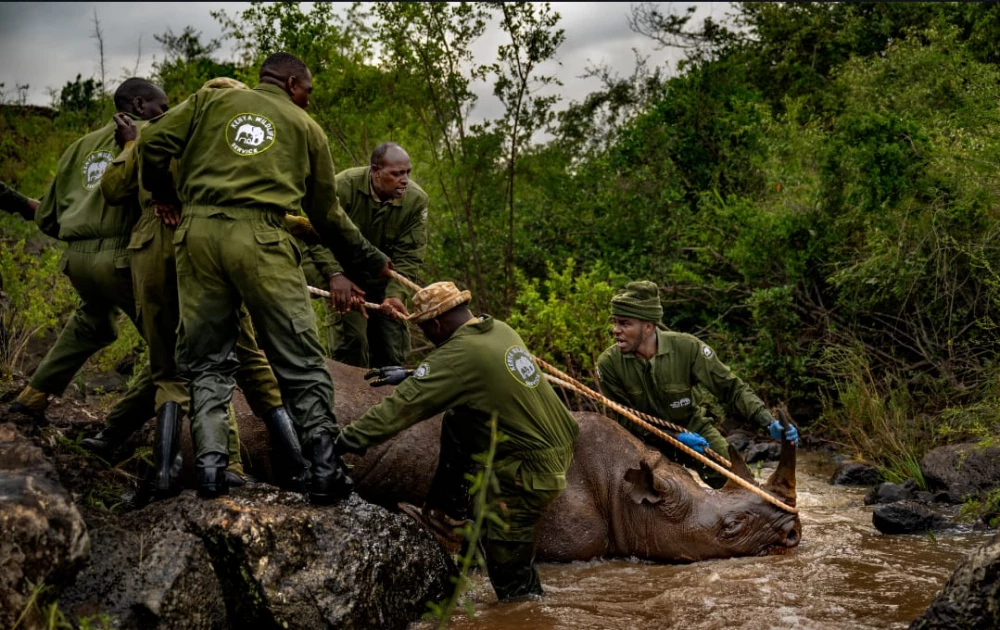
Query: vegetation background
[814,188]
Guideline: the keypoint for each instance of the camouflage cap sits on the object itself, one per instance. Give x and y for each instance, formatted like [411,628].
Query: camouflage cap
[640,299]
[435,299]
[224,82]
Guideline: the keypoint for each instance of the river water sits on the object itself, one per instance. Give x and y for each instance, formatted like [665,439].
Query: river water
[844,574]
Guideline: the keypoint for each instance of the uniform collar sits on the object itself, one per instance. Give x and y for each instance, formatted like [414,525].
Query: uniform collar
[662,347]
[273,89]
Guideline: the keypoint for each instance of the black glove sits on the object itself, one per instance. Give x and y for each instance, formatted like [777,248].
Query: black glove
[388,375]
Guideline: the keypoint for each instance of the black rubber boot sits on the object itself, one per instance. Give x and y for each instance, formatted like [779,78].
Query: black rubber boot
[290,469]
[449,491]
[105,443]
[328,481]
[165,446]
[212,481]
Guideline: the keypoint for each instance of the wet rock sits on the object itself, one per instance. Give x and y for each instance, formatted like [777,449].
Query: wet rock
[44,539]
[971,596]
[907,517]
[889,492]
[261,558]
[851,473]
[962,469]
[763,452]
[740,439]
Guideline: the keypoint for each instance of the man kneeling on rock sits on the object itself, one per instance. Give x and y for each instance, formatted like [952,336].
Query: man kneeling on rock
[480,368]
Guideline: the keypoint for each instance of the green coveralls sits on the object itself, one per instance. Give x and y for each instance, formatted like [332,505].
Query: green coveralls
[154,277]
[398,227]
[664,387]
[96,263]
[245,158]
[484,369]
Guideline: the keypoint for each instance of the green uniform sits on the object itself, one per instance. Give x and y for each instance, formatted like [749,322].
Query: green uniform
[398,227]
[664,387]
[484,369]
[245,158]
[96,262]
[154,277]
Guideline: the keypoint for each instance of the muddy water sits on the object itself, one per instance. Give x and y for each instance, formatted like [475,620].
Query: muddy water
[845,574]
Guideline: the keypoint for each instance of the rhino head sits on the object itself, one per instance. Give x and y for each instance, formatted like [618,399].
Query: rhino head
[668,505]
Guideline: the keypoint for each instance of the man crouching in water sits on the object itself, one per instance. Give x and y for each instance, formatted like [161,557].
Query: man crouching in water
[480,368]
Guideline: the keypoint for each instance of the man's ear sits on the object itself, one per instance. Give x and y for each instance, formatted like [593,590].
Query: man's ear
[138,106]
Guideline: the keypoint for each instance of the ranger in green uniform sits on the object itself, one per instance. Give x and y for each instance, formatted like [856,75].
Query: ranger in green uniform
[391,211]
[154,277]
[480,368]
[654,371]
[245,158]
[95,260]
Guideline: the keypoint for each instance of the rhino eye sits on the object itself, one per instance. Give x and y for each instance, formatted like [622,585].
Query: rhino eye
[732,525]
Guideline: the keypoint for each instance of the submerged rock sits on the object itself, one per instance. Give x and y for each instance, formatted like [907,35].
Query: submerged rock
[855,474]
[907,517]
[970,598]
[43,538]
[261,558]
[889,492]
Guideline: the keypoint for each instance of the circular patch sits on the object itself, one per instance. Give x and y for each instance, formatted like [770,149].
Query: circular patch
[522,367]
[423,215]
[249,134]
[705,350]
[94,166]
[422,370]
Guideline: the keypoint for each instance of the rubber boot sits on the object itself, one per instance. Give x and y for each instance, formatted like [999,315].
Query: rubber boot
[212,480]
[166,443]
[329,481]
[290,469]
[105,443]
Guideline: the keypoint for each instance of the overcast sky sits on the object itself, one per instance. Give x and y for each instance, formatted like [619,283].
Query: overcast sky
[47,44]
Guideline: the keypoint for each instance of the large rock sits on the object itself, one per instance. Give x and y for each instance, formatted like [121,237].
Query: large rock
[43,538]
[261,558]
[908,517]
[970,598]
[962,469]
[855,474]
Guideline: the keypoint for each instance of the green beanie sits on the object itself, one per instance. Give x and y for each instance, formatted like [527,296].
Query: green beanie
[640,300]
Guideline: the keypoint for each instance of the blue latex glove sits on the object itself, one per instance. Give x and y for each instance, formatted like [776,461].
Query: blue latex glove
[692,441]
[388,375]
[777,430]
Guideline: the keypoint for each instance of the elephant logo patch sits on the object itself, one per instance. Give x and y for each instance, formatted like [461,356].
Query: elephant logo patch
[94,166]
[249,134]
[705,350]
[522,367]
[422,370]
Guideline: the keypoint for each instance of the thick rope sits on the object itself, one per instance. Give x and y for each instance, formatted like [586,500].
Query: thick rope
[575,386]
[401,278]
[370,305]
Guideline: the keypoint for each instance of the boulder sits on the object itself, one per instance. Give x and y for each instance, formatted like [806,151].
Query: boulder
[44,539]
[261,558]
[740,439]
[907,517]
[962,470]
[855,474]
[763,452]
[970,598]
[889,492]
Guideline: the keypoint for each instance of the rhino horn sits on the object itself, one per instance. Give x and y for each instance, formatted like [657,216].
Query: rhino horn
[739,468]
[782,481]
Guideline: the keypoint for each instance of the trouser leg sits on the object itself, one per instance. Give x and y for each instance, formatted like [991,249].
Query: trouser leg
[91,327]
[388,341]
[347,337]
[449,491]
[255,376]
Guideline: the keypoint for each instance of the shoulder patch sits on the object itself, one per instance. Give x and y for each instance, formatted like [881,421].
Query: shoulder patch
[422,370]
[522,367]
[705,350]
[94,166]
[423,215]
[249,134]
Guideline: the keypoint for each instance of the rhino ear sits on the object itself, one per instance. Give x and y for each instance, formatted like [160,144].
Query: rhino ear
[641,483]
[739,468]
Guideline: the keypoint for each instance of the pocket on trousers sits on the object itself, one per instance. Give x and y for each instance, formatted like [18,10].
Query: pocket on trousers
[545,480]
[275,255]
